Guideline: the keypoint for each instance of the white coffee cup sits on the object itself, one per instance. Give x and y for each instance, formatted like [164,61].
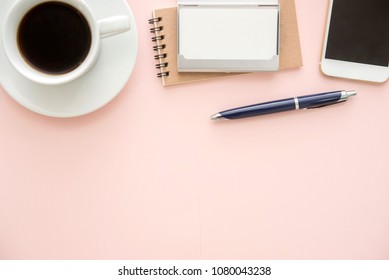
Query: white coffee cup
[101,28]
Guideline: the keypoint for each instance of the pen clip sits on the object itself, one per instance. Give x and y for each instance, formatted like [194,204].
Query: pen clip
[326,105]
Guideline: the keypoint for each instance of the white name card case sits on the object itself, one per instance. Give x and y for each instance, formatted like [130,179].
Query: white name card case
[228,36]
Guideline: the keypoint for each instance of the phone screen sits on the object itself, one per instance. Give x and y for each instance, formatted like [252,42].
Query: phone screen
[359,32]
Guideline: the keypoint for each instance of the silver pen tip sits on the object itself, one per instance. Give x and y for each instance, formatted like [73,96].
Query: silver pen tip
[351,92]
[216,116]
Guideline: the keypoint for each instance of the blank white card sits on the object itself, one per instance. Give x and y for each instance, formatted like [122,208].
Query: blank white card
[228,33]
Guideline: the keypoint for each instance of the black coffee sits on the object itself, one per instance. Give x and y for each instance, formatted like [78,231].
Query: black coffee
[54,37]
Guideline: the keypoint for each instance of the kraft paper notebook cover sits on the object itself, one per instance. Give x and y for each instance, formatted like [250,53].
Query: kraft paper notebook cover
[165,37]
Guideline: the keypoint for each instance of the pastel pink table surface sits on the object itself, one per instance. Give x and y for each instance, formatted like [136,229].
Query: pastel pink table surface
[149,176]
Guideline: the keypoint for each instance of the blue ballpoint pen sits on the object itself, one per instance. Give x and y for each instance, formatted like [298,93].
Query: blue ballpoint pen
[294,103]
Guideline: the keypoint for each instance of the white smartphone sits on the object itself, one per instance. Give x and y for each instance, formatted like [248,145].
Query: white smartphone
[356,43]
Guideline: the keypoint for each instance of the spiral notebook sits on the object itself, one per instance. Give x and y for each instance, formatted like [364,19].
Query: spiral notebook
[164,36]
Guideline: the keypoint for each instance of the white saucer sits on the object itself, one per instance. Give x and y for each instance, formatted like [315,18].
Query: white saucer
[88,93]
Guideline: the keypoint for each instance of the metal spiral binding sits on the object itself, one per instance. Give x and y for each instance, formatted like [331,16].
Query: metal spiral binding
[159,47]
[161,65]
[156,29]
[163,74]
[155,20]
[160,56]
[157,38]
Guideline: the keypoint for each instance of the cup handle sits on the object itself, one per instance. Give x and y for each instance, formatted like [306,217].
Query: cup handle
[113,25]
